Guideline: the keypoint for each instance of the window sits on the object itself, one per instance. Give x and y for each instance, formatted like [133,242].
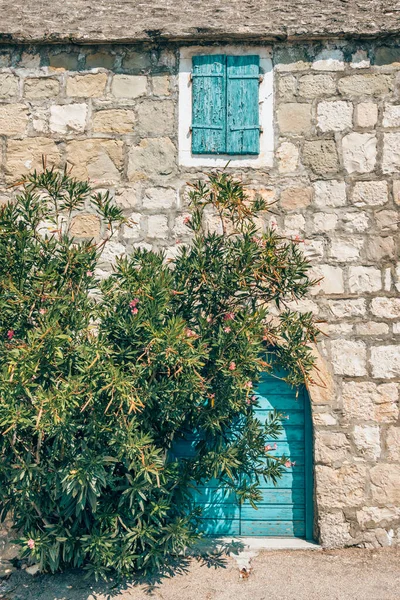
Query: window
[225,106]
[225,114]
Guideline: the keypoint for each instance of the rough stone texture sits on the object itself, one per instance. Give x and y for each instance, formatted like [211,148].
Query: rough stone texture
[359,152]
[294,118]
[334,116]
[114,120]
[87,86]
[133,21]
[111,113]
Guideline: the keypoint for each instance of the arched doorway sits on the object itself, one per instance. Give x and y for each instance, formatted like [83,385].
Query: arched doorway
[286,509]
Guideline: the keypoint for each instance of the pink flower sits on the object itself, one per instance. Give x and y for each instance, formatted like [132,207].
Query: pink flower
[275,446]
[229,316]
[10,334]
[267,448]
[232,366]
[248,401]
[135,311]
[254,398]
[133,302]
[212,395]
[209,319]
[249,384]
[227,329]
[42,311]
[31,544]
[186,220]
[190,333]
[289,464]
[273,224]
[89,273]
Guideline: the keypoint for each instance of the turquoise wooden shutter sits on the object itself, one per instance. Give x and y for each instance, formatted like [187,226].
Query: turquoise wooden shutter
[209,104]
[243,125]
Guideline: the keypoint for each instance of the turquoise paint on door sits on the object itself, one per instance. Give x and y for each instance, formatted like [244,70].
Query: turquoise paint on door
[286,509]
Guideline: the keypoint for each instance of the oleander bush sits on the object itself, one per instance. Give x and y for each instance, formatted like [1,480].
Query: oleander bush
[100,379]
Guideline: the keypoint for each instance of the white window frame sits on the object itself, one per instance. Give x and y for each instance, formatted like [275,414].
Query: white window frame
[266,103]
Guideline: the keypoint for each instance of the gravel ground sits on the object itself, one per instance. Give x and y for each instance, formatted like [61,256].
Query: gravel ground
[280,575]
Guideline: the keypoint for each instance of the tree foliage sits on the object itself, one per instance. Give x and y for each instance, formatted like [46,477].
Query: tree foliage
[96,389]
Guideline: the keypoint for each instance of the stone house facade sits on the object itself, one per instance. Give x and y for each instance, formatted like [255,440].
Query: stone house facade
[103,97]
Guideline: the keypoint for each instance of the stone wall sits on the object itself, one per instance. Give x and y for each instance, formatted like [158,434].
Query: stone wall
[111,114]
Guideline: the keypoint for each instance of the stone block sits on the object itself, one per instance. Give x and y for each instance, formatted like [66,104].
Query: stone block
[13,119]
[85,226]
[99,160]
[364,279]
[321,156]
[355,222]
[64,61]
[41,87]
[331,282]
[334,530]
[387,56]
[324,222]
[342,487]
[87,86]
[295,198]
[157,226]
[112,251]
[287,86]
[393,445]
[366,114]
[180,227]
[113,120]
[334,116]
[368,84]
[294,117]
[155,118]
[348,308]
[288,157]
[385,361]
[372,328]
[366,439]
[134,230]
[159,198]
[396,191]
[315,86]
[371,516]
[129,86]
[29,60]
[151,158]
[329,193]
[391,115]
[68,118]
[346,249]
[391,152]
[291,58]
[387,220]
[379,248]
[359,152]
[349,358]
[385,483]
[27,154]
[104,60]
[136,61]
[360,60]
[161,84]
[294,225]
[366,401]
[8,85]
[370,193]
[330,447]
[329,60]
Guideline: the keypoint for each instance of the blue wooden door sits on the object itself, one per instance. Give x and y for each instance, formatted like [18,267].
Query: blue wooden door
[286,509]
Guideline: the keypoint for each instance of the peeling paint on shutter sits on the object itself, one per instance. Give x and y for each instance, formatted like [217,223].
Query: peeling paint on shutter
[243,125]
[209,104]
